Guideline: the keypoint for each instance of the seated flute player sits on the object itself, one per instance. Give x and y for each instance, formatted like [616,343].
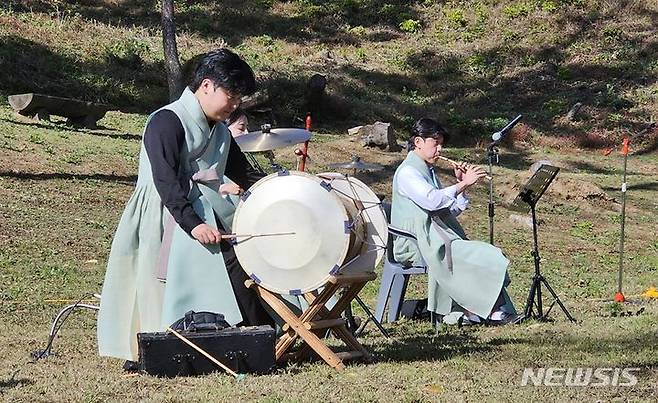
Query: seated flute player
[172,226]
[463,276]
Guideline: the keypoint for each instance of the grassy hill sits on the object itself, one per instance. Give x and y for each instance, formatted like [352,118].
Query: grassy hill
[473,64]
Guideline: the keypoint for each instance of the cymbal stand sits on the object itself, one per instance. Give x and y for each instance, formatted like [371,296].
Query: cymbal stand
[254,163]
[269,154]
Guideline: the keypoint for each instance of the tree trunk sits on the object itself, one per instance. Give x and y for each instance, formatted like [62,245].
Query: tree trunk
[172,64]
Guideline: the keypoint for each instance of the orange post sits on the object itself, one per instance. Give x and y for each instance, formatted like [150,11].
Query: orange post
[304,150]
[624,146]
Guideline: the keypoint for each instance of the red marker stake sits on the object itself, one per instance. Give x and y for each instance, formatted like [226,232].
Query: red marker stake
[304,150]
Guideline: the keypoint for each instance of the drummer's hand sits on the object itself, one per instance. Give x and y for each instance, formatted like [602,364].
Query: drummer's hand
[230,189]
[473,174]
[206,234]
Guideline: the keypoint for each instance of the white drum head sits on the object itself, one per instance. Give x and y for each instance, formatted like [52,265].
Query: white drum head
[293,202]
[373,217]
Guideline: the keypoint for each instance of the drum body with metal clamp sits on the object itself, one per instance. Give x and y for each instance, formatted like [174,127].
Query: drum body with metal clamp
[328,224]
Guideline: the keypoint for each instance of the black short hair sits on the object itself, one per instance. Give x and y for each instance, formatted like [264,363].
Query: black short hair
[427,128]
[225,69]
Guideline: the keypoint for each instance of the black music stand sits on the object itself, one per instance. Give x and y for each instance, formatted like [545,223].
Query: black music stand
[525,201]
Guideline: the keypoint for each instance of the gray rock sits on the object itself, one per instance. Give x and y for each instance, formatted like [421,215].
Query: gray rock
[571,115]
[378,134]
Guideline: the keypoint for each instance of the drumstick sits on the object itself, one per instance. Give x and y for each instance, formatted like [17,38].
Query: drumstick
[208,356]
[457,164]
[230,236]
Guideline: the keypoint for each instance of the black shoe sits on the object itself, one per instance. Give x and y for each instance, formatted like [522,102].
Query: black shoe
[131,366]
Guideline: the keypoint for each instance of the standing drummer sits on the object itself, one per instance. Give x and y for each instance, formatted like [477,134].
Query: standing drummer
[172,224]
[466,276]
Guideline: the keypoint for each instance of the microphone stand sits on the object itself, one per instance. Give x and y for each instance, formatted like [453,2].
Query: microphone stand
[492,156]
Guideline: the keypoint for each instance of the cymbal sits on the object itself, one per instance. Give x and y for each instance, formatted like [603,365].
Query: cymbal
[357,164]
[271,139]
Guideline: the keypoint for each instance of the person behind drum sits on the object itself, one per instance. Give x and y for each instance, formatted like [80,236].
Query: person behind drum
[238,123]
[173,223]
[467,276]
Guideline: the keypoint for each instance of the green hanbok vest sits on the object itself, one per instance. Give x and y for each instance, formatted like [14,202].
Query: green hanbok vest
[470,274]
[148,242]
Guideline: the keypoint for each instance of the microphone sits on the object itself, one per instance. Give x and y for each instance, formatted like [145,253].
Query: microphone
[499,134]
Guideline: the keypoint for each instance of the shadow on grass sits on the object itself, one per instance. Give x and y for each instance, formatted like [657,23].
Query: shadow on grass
[12,383]
[122,136]
[590,168]
[126,179]
[429,348]
[63,127]
[447,345]
[53,126]
[636,186]
[638,340]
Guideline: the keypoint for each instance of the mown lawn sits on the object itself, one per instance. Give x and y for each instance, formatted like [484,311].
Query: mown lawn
[62,191]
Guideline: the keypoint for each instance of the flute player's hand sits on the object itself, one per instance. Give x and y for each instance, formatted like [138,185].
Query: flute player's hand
[472,175]
[460,168]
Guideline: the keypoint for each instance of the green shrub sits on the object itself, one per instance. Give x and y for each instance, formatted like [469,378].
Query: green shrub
[612,34]
[456,17]
[481,13]
[615,118]
[358,31]
[549,6]
[555,107]
[360,54]
[268,42]
[36,138]
[510,35]
[478,65]
[413,97]
[582,229]
[410,25]
[399,60]
[477,30]
[127,49]
[528,60]
[520,9]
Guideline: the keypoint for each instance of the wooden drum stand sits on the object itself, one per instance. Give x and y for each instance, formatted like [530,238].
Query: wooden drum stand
[313,322]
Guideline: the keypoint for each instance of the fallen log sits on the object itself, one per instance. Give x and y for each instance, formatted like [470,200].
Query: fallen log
[40,107]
